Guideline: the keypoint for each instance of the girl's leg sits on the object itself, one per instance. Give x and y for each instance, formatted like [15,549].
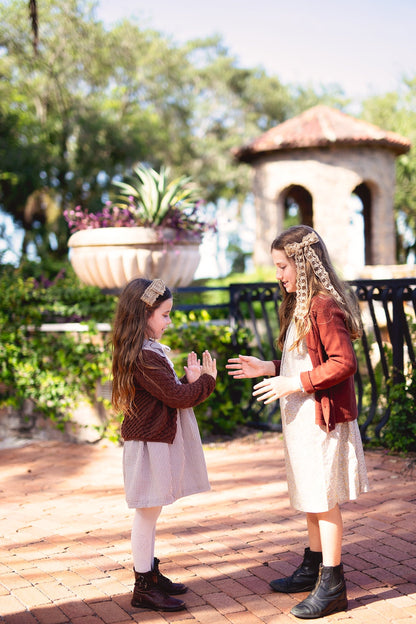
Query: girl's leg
[313,532]
[329,594]
[330,531]
[305,576]
[152,554]
[143,538]
[148,592]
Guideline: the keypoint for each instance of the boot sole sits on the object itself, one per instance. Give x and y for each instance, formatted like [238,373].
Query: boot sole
[293,590]
[176,593]
[308,616]
[140,605]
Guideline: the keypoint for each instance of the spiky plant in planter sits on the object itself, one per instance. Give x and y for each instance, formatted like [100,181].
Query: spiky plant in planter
[154,213]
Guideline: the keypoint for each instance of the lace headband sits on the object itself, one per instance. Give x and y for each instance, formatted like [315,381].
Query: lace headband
[153,291]
[301,252]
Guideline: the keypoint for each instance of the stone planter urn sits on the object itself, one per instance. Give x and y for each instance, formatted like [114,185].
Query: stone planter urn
[112,256]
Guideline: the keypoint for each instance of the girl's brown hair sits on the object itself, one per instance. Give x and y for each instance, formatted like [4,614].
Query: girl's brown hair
[129,332]
[295,234]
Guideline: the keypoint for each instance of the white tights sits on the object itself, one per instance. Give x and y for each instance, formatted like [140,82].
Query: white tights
[143,534]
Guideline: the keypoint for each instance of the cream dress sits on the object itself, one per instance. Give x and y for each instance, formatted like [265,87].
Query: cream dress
[323,469]
[157,473]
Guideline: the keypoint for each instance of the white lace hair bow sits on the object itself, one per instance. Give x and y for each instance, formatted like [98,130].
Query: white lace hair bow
[301,252]
[153,291]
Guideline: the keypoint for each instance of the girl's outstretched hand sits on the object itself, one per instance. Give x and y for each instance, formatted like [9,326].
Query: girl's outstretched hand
[193,370]
[274,388]
[209,364]
[245,366]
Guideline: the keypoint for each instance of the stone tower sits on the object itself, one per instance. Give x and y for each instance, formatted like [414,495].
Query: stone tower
[318,162]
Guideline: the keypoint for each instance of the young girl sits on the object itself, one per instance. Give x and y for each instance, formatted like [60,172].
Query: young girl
[314,381]
[163,458]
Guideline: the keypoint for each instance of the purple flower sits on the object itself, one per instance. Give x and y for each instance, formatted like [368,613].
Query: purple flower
[112,215]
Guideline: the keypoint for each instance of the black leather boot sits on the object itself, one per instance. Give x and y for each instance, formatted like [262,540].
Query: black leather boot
[303,578]
[148,595]
[173,589]
[329,595]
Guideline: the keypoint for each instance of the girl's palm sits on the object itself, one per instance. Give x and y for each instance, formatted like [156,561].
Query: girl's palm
[209,364]
[193,370]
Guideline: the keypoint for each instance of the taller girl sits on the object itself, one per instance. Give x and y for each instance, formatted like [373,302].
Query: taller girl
[315,382]
[162,454]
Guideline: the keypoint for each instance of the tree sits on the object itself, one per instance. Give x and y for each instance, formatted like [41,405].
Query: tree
[73,115]
[397,112]
[33,13]
[93,102]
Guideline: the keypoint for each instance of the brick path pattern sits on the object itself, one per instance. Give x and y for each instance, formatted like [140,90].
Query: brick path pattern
[65,539]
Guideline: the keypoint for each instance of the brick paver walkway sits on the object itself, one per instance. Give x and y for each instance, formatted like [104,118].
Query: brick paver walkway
[65,551]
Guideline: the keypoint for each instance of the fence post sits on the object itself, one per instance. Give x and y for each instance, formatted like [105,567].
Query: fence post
[397,332]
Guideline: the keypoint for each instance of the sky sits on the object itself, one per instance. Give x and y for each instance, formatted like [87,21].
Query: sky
[364,46]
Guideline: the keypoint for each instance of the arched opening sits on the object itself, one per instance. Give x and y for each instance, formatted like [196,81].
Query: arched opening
[353,239]
[363,193]
[298,206]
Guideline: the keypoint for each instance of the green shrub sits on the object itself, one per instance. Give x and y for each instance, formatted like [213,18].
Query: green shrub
[397,399]
[221,413]
[57,370]
[54,370]
[373,389]
[399,434]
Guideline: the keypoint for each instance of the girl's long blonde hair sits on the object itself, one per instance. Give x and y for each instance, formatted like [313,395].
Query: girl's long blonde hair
[129,332]
[349,304]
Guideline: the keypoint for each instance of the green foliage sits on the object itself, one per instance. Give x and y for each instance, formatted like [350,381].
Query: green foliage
[399,398]
[73,117]
[53,369]
[221,413]
[376,391]
[58,369]
[260,275]
[399,434]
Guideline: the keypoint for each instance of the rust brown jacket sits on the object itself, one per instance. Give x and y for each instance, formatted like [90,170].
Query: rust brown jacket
[334,364]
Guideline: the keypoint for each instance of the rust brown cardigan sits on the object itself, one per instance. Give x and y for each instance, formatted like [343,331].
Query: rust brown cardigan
[334,364]
[158,395]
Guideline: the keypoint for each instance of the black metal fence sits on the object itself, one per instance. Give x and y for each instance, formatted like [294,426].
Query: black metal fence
[384,353]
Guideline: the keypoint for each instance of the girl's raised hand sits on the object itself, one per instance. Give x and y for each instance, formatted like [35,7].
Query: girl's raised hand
[245,366]
[209,364]
[193,370]
[274,388]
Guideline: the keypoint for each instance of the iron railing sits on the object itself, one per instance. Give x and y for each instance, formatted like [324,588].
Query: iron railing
[385,351]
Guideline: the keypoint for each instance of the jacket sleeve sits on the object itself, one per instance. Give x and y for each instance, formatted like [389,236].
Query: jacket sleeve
[329,346]
[277,365]
[160,382]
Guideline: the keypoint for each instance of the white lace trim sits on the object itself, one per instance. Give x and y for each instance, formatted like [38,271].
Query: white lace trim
[301,252]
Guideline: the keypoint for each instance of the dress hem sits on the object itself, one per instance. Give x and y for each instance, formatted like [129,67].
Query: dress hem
[340,502]
[162,503]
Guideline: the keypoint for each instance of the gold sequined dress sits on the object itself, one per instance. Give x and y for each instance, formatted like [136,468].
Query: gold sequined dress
[322,468]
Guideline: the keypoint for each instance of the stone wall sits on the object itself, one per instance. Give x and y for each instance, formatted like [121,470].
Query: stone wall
[20,426]
[330,175]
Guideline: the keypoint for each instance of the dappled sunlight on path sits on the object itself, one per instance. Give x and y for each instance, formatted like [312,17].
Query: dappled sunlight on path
[65,531]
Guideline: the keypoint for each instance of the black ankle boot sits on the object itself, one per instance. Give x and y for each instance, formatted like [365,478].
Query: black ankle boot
[329,595]
[303,578]
[173,589]
[148,595]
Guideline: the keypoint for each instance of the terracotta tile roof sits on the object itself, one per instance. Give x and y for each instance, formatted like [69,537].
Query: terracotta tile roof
[322,126]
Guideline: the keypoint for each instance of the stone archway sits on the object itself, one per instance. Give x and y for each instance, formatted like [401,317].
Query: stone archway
[363,192]
[298,196]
